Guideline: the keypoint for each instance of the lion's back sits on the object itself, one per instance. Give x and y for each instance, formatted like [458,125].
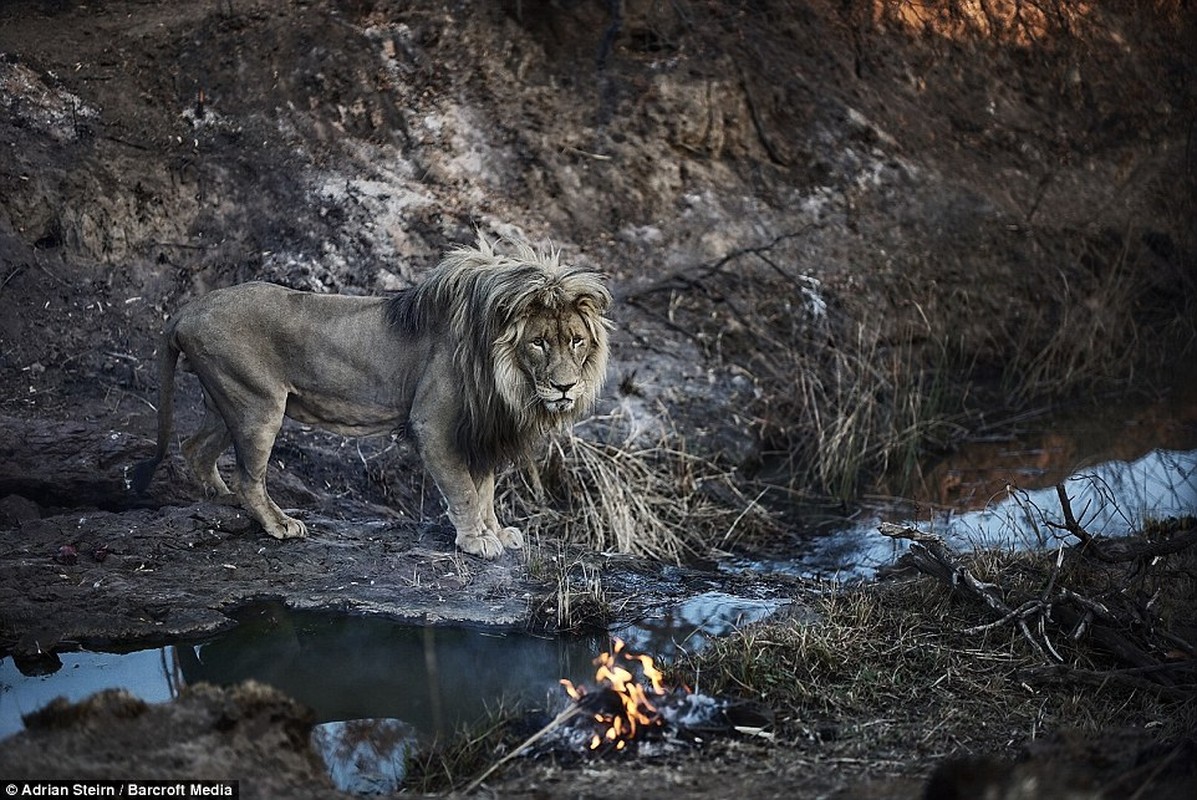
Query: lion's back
[256,321]
[230,308]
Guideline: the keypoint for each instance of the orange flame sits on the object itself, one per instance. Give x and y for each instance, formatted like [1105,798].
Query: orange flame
[638,711]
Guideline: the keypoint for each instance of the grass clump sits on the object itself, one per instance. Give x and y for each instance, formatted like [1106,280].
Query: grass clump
[1102,325]
[838,399]
[859,407]
[446,766]
[617,494]
[910,669]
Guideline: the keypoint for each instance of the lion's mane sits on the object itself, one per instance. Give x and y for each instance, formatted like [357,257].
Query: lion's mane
[479,299]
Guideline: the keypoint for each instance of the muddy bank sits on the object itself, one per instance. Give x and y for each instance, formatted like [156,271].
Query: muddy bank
[157,575]
[89,564]
[251,734]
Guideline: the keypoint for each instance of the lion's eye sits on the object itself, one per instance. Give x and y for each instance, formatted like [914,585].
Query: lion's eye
[578,341]
[539,343]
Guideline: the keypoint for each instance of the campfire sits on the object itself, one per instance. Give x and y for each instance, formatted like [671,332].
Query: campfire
[630,708]
[623,706]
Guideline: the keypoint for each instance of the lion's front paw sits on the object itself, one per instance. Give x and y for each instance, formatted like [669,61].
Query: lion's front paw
[512,538]
[483,543]
[288,528]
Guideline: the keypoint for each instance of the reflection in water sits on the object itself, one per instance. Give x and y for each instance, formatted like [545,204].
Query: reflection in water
[1109,438]
[377,687]
[358,667]
[149,674]
[1110,499]
[1118,464]
[365,756]
[687,626]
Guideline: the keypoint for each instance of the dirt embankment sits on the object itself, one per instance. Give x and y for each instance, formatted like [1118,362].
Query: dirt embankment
[1002,199]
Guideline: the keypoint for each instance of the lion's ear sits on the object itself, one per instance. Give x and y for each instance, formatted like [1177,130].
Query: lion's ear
[592,305]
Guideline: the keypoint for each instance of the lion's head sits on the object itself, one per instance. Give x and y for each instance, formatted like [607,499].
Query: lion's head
[529,338]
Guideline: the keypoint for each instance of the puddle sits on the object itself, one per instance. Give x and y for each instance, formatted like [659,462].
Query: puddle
[690,624]
[377,687]
[1118,464]
[150,674]
[1110,498]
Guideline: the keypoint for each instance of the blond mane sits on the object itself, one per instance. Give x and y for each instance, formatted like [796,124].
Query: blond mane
[480,299]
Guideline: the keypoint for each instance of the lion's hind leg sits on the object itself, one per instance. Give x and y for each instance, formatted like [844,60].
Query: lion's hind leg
[253,440]
[253,416]
[203,448]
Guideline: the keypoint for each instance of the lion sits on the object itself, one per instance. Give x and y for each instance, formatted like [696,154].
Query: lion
[476,363]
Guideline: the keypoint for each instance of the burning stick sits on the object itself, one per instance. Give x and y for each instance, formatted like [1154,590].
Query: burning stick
[559,720]
[622,718]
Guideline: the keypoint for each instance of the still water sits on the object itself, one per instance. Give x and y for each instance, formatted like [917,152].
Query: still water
[377,687]
[1119,466]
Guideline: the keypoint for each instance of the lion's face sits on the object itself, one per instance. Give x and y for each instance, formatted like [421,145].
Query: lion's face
[553,351]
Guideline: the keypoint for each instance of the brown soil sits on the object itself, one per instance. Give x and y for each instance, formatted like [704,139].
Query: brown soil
[968,189]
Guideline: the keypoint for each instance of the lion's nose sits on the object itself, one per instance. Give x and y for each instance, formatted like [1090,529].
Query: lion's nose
[563,387]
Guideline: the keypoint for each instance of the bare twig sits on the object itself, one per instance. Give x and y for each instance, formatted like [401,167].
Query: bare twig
[1070,523]
[556,722]
[1114,552]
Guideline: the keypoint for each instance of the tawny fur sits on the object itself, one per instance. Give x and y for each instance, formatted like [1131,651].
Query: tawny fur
[478,362]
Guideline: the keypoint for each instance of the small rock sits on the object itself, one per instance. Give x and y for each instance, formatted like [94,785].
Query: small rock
[16,510]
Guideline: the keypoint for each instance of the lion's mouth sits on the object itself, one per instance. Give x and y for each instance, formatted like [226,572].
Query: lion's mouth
[559,405]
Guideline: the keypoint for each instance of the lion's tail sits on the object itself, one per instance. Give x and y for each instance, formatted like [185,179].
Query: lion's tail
[143,471]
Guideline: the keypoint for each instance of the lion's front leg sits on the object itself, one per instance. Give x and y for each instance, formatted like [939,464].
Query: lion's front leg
[467,513]
[510,536]
[465,509]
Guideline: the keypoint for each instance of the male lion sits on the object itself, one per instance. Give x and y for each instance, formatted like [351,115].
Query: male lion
[477,362]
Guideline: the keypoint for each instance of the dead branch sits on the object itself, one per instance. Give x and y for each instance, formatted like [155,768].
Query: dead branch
[1088,543]
[1070,523]
[1134,550]
[1062,673]
[1126,634]
[695,279]
[1113,552]
[930,554]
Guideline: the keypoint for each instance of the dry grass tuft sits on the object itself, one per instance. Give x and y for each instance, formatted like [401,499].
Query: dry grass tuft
[653,500]
[838,400]
[1096,340]
[445,766]
[858,407]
